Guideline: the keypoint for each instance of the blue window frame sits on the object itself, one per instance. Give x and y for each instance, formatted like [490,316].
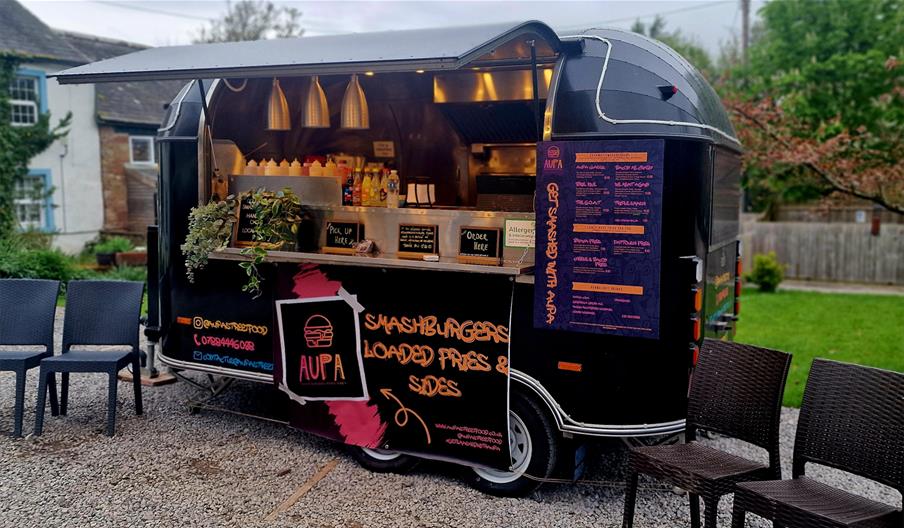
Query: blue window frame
[33,203]
[27,96]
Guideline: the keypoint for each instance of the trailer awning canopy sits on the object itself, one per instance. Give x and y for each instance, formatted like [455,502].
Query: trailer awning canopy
[409,50]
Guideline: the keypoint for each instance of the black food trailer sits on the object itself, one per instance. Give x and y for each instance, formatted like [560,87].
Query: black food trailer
[570,236]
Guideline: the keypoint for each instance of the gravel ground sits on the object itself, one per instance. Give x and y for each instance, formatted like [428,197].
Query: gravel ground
[169,468]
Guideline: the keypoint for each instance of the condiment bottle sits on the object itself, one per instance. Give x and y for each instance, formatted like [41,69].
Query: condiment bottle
[381,189]
[367,189]
[283,168]
[356,188]
[330,168]
[295,168]
[271,168]
[251,168]
[392,189]
[347,185]
[316,168]
[306,169]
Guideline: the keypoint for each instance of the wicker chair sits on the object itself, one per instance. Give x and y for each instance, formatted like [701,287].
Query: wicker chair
[736,390]
[97,313]
[27,311]
[852,419]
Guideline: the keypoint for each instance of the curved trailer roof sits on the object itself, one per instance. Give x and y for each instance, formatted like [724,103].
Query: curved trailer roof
[429,49]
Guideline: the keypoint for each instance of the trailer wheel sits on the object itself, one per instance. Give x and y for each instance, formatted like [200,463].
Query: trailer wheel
[533,442]
[384,460]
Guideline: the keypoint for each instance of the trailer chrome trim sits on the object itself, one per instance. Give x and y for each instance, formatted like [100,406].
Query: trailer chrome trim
[567,424]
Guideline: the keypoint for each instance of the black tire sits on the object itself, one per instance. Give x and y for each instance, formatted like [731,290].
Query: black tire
[544,439]
[380,461]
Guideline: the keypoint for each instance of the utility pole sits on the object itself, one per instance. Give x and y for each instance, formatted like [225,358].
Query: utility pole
[745,29]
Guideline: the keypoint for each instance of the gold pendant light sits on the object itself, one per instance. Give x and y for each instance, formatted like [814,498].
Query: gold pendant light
[354,106]
[277,109]
[316,113]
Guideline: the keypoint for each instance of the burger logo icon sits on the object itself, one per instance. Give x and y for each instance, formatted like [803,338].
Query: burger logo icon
[318,332]
[553,152]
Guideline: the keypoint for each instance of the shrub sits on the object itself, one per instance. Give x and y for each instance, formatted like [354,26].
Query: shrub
[114,245]
[126,273]
[19,262]
[767,272]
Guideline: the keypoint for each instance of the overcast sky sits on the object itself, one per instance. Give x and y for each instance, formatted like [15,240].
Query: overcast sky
[168,22]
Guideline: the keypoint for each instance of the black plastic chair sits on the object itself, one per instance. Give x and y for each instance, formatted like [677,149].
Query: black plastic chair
[852,419]
[97,313]
[27,311]
[736,390]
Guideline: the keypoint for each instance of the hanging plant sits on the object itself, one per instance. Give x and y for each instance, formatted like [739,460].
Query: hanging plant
[275,226]
[209,229]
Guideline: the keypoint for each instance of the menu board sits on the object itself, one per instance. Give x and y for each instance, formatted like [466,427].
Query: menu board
[243,232]
[418,240]
[479,245]
[341,237]
[599,212]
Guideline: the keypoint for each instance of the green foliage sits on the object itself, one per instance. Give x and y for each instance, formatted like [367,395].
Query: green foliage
[767,272]
[18,261]
[126,273]
[18,145]
[687,47]
[829,59]
[114,245]
[275,225]
[34,239]
[830,70]
[209,229]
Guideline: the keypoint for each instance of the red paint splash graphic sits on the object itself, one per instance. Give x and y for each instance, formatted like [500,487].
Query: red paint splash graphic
[311,282]
[359,422]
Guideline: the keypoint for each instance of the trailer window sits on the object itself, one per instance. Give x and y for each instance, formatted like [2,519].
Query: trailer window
[726,198]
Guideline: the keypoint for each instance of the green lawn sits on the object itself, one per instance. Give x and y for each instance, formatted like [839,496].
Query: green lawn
[864,329]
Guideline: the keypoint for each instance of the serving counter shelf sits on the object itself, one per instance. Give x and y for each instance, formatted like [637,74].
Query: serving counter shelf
[383,260]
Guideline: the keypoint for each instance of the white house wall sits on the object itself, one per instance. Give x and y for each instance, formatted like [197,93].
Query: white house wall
[74,162]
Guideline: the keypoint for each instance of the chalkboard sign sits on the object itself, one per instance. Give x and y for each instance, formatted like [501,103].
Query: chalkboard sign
[479,245]
[243,232]
[341,237]
[418,240]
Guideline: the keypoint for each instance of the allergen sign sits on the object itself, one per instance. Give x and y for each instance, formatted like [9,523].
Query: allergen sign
[479,245]
[416,241]
[599,215]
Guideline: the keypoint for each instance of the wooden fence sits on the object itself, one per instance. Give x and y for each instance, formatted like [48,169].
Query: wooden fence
[829,251]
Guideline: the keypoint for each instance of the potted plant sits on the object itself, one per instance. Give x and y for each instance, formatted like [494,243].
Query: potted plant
[106,250]
[274,225]
[138,256]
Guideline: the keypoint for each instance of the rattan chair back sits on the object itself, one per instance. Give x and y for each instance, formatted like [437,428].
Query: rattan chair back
[102,313]
[736,390]
[27,310]
[852,419]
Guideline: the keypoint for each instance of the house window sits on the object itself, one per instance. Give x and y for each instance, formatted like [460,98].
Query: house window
[27,99]
[141,149]
[32,202]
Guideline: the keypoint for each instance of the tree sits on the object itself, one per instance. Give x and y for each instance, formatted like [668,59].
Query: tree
[252,20]
[18,144]
[685,46]
[821,105]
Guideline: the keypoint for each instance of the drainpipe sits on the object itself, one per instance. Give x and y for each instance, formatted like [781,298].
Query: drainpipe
[63,154]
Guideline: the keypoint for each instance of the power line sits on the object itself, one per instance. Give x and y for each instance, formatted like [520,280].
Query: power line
[665,13]
[134,7]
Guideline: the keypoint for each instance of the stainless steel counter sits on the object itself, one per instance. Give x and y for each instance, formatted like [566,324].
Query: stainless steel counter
[384,260]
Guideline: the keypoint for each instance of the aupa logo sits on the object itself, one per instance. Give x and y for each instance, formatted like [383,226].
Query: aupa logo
[553,159]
